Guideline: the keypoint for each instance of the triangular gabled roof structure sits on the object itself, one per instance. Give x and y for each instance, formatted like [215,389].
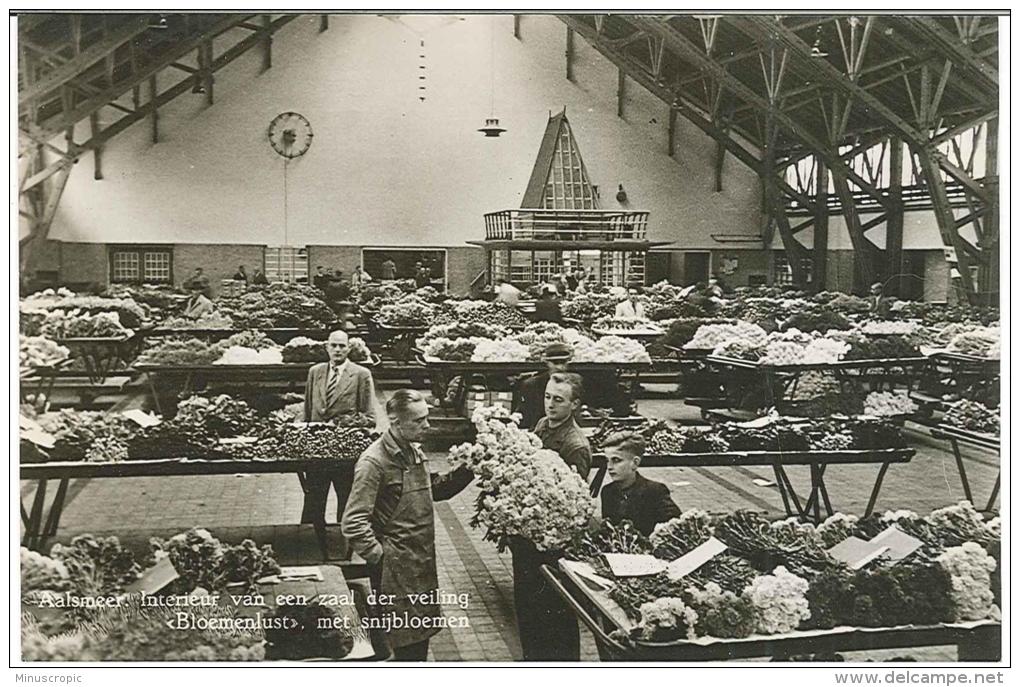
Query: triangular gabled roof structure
[559,179]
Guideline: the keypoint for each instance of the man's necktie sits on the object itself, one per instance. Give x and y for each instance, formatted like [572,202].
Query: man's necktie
[332,385]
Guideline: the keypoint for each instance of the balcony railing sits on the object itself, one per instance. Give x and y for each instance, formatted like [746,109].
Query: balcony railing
[565,225]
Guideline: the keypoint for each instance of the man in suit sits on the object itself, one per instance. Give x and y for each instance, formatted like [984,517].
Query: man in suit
[339,387]
[630,496]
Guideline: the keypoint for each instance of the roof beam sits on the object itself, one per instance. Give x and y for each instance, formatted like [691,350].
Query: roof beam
[82,61]
[682,45]
[67,119]
[984,74]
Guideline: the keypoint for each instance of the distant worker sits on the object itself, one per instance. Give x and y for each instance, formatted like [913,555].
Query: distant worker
[241,275]
[259,278]
[197,280]
[878,302]
[320,280]
[388,270]
[547,309]
[198,304]
[358,277]
[506,292]
[632,308]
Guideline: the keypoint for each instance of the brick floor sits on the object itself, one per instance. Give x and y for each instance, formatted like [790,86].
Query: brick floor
[247,505]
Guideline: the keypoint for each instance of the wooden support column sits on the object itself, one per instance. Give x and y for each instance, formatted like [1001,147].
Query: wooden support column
[97,152]
[517,26]
[621,86]
[720,159]
[323,23]
[267,42]
[864,251]
[989,271]
[153,94]
[570,54]
[820,249]
[944,216]
[894,220]
[671,144]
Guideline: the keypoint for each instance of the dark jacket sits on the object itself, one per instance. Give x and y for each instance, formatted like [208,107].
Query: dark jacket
[355,393]
[569,442]
[529,398]
[548,310]
[645,503]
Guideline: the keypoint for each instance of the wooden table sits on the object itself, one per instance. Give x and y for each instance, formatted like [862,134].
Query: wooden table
[101,354]
[779,382]
[979,641]
[39,379]
[280,335]
[401,339]
[956,436]
[41,523]
[817,462]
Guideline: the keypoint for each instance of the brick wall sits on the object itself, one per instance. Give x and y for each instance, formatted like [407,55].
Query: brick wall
[218,261]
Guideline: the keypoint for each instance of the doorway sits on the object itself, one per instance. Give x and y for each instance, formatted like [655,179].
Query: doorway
[697,266]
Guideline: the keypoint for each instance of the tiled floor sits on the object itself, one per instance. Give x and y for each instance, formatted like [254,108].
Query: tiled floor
[239,506]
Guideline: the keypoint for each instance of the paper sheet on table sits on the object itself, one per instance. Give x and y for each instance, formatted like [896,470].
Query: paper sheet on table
[634,564]
[141,418]
[856,552]
[692,560]
[39,438]
[899,543]
[587,572]
[155,578]
[301,572]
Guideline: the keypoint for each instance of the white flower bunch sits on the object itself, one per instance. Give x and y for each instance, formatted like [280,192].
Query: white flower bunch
[242,355]
[779,601]
[836,528]
[527,491]
[889,327]
[666,617]
[709,336]
[889,403]
[610,349]
[892,517]
[39,572]
[970,568]
[994,526]
[501,351]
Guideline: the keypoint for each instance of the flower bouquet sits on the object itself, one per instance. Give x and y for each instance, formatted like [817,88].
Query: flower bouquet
[526,491]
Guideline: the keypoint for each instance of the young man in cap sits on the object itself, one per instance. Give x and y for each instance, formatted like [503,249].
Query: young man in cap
[529,398]
[546,626]
[630,496]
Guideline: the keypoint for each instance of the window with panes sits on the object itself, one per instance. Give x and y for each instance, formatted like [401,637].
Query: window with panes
[141,265]
[784,270]
[287,264]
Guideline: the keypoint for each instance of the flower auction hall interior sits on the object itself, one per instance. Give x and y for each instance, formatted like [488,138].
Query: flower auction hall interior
[509,337]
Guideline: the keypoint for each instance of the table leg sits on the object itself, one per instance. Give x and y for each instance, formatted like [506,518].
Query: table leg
[878,486]
[24,515]
[56,509]
[995,492]
[782,489]
[784,479]
[596,482]
[155,393]
[34,525]
[963,470]
[822,488]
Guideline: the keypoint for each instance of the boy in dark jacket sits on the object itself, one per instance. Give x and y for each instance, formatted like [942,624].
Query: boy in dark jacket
[630,496]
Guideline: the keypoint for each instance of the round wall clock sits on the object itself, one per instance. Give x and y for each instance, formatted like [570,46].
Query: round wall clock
[290,134]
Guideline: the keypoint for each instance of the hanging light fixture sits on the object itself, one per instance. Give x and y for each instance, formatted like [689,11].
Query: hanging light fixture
[492,129]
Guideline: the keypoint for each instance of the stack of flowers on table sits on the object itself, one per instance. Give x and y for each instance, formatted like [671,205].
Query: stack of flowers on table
[526,491]
[779,577]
